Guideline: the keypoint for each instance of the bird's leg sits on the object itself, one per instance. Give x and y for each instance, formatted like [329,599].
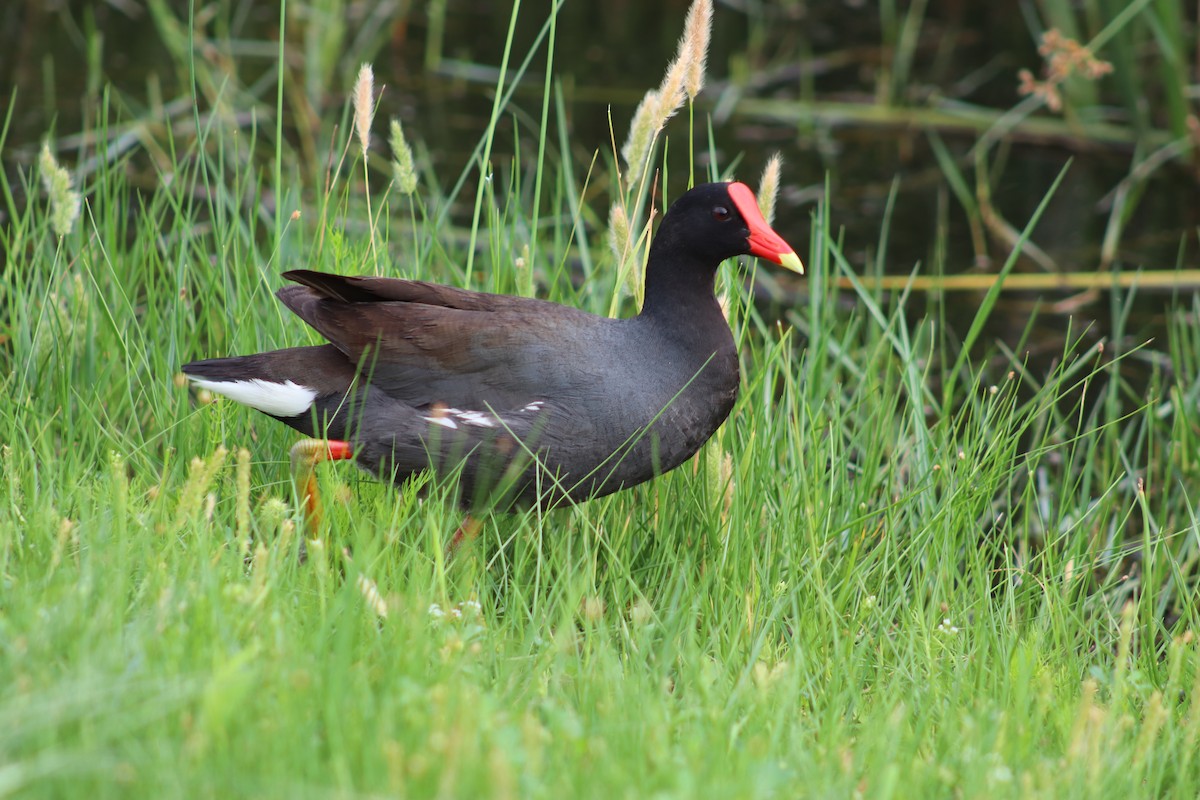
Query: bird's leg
[306,454]
[467,531]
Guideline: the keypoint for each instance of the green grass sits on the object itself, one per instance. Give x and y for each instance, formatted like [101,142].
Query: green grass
[905,571]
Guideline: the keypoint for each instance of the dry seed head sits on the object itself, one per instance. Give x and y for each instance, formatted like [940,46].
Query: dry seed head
[671,96]
[659,105]
[1046,91]
[364,105]
[768,187]
[1065,58]
[697,30]
[370,593]
[642,130]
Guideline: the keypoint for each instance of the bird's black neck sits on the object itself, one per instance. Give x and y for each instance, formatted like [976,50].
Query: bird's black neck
[678,283]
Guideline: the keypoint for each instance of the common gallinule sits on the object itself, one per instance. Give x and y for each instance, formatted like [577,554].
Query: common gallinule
[536,402]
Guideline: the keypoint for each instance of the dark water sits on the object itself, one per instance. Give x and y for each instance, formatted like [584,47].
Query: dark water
[609,53]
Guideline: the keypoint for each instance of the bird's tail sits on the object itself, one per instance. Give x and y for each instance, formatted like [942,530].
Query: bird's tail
[300,386]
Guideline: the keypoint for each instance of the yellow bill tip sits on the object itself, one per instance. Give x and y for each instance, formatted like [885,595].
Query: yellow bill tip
[791,261]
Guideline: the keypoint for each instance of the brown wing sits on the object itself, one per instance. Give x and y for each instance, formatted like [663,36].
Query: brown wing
[367,289]
[423,343]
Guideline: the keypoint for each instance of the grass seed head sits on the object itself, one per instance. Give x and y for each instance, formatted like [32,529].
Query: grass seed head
[364,105]
[768,187]
[671,94]
[683,80]
[593,609]
[404,172]
[642,613]
[619,240]
[642,130]
[697,31]
[1065,58]
[370,593]
[195,491]
[65,202]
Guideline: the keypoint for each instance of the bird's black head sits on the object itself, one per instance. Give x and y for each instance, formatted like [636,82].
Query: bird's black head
[705,226]
[716,221]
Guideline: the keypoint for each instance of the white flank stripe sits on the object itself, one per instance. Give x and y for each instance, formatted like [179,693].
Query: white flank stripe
[443,421]
[477,418]
[287,399]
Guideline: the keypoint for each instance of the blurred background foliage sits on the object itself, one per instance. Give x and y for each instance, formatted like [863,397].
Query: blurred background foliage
[952,117]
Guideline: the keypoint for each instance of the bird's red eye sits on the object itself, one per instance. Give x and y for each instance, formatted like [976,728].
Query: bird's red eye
[720,213]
